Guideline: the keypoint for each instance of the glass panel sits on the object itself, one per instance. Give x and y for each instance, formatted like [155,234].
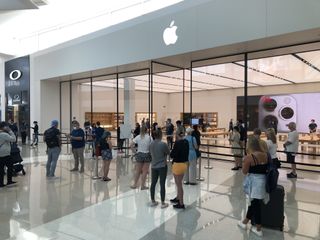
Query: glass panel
[288,83]
[65,107]
[217,100]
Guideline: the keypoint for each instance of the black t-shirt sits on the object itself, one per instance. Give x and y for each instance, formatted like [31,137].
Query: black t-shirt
[180,151]
[197,135]
[312,126]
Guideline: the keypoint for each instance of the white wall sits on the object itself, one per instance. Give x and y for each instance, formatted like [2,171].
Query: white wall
[202,24]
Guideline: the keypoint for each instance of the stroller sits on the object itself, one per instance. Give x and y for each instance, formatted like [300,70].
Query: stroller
[16,160]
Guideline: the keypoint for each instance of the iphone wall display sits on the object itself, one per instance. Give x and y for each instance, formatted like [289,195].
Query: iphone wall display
[279,110]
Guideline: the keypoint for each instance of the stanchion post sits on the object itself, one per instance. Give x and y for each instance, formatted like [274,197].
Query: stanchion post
[199,173]
[96,169]
[208,165]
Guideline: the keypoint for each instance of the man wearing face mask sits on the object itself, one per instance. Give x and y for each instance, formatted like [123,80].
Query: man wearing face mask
[78,144]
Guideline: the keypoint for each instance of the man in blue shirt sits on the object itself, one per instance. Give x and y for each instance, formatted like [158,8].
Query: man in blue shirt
[78,144]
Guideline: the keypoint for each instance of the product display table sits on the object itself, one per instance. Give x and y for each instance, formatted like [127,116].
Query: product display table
[310,141]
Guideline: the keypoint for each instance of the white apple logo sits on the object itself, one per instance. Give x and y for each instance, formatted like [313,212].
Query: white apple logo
[169,34]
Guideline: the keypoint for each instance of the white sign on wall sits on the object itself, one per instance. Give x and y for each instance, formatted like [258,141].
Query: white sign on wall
[170,35]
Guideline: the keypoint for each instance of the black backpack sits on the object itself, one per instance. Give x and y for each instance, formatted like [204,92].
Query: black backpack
[51,137]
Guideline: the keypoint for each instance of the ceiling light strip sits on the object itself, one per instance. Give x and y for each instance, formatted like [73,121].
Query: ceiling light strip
[268,74]
[305,62]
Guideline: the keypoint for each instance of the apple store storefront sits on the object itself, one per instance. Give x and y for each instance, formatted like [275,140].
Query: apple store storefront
[264,89]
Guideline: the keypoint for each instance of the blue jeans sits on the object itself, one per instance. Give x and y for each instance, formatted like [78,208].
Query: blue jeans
[53,155]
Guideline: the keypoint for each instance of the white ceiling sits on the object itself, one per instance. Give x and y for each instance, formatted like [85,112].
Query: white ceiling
[279,70]
[26,28]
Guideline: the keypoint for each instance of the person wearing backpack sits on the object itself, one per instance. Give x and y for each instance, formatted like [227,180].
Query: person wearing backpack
[77,137]
[255,168]
[52,138]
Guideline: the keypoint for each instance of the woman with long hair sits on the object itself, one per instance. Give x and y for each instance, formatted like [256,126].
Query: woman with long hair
[143,157]
[272,146]
[179,154]
[106,153]
[255,169]
[159,151]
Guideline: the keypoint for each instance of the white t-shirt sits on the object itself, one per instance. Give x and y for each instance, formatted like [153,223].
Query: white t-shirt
[293,137]
[143,143]
[272,149]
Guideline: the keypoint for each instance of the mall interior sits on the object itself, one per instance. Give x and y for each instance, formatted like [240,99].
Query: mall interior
[204,62]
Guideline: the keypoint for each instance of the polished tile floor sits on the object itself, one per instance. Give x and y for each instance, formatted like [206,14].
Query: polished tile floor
[74,206]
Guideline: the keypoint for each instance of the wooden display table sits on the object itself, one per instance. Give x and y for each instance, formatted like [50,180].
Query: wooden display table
[311,142]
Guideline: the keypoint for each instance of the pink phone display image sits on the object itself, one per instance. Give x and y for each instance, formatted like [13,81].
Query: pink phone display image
[279,110]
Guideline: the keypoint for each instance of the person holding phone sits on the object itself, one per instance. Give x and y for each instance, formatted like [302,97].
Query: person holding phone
[6,138]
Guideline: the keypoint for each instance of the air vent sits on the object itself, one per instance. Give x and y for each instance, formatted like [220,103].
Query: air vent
[40,3]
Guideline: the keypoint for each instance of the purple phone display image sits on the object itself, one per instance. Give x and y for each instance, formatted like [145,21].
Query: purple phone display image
[279,110]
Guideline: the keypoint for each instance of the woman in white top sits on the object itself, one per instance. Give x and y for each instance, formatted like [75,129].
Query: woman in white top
[272,146]
[143,157]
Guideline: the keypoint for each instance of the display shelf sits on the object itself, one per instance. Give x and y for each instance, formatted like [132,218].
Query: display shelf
[145,115]
[108,120]
[210,119]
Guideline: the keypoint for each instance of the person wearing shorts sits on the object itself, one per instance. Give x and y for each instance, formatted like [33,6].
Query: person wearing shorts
[106,154]
[143,157]
[291,147]
[179,154]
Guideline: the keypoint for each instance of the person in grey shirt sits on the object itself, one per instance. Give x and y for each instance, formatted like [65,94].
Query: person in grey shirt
[6,138]
[159,151]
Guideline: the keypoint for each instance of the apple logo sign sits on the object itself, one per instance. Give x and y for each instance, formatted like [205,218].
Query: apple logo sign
[169,34]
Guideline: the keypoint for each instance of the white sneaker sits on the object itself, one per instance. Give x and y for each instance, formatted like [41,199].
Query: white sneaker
[153,204]
[164,205]
[255,231]
[242,225]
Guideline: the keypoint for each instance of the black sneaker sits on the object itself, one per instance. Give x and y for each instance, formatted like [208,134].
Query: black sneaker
[193,183]
[186,183]
[292,175]
[174,200]
[179,206]
[235,168]
[74,170]
[2,185]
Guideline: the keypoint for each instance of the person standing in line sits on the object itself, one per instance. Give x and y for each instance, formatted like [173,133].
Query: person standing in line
[98,134]
[13,126]
[313,126]
[197,135]
[52,137]
[23,131]
[230,125]
[291,147]
[136,131]
[106,153]
[235,144]
[255,168]
[120,141]
[257,134]
[169,133]
[201,123]
[77,138]
[93,133]
[35,134]
[180,129]
[190,176]
[143,157]
[159,151]
[179,154]
[272,146]
[148,124]
[7,137]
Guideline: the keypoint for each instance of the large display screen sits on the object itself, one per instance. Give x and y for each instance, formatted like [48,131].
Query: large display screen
[282,109]
[279,110]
